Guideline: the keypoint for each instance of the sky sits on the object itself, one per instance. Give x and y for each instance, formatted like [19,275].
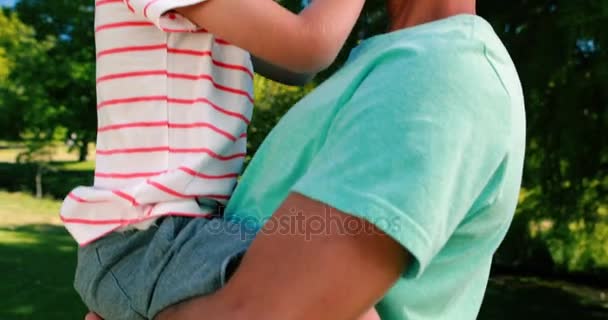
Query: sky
[7,2]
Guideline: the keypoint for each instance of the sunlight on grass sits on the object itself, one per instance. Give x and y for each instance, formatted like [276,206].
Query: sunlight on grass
[8,237]
[37,258]
[10,154]
[20,209]
[75,165]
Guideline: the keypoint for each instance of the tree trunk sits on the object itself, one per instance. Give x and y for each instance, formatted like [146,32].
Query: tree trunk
[39,172]
[83,150]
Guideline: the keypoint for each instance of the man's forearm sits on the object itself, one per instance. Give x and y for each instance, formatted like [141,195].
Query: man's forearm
[292,274]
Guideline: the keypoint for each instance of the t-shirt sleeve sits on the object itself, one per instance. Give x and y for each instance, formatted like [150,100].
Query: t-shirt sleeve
[160,12]
[410,158]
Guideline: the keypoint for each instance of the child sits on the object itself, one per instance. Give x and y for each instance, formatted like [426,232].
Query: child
[174,102]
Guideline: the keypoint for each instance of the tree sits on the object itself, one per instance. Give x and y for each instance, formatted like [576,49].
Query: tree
[20,52]
[560,50]
[70,77]
[23,99]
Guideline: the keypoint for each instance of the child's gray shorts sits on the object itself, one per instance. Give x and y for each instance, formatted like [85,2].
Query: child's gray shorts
[136,274]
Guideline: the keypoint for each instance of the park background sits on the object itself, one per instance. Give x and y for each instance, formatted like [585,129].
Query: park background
[553,263]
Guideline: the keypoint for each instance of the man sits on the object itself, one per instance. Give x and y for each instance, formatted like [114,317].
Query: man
[403,169]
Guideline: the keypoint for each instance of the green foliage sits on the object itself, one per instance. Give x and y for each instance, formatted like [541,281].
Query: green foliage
[272,101]
[69,75]
[23,100]
[560,49]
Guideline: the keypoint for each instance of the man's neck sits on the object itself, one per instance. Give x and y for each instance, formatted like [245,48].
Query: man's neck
[408,13]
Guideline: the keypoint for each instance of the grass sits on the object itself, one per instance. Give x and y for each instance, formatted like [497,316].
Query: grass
[37,259]
[527,298]
[37,255]
[18,209]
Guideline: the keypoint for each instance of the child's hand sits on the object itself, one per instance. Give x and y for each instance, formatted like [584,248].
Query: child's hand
[369,315]
[92,316]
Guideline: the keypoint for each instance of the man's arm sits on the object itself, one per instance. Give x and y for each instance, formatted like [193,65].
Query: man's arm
[305,43]
[279,74]
[294,273]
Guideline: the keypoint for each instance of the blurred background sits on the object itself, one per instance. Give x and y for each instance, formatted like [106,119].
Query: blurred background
[553,263]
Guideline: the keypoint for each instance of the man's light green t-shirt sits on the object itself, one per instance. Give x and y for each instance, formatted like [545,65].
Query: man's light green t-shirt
[421,133]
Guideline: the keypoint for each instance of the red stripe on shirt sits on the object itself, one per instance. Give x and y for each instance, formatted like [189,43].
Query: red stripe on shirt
[137,175]
[208,176]
[211,104]
[184,76]
[202,125]
[125,24]
[133,125]
[128,2]
[215,84]
[97,222]
[175,101]
[171,125]
[126,197]
[172,192]
[133,175]
[131,100]
[148,6]
[131,49]
[130,150]
[132,75]
[222,41]
[207,151]
[168,190]
[235,91]
[81,200]
[189,52]
[177,30]
[100,3]
[131,221]
[233,67]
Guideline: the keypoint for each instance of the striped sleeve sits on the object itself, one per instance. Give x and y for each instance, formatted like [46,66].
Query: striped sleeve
[160,13]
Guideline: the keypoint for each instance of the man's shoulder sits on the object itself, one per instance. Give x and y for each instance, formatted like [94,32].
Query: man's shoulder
[457,74]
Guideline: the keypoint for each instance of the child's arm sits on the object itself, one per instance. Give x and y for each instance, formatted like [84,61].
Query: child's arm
[279,74]
[304,43]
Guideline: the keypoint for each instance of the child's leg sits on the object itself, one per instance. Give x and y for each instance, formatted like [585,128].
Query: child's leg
[371,314]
